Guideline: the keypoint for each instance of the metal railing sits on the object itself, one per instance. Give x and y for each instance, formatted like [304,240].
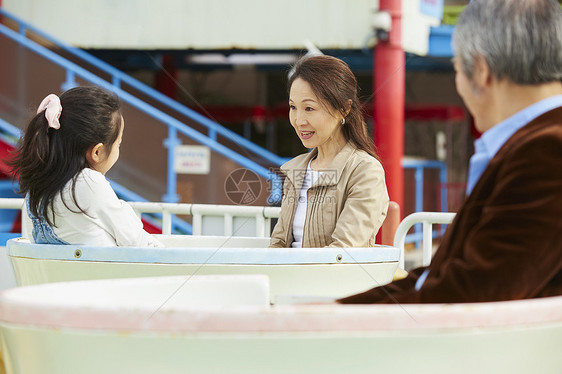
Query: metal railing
[427,219]
[261,215]
[419,167]
[10,129]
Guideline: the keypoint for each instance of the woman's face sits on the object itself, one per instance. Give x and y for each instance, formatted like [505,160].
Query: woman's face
[310,118]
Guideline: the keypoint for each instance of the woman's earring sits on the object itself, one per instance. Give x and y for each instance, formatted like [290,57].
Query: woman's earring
[343,121]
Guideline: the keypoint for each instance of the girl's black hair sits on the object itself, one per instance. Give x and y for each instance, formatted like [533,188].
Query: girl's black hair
[46,158]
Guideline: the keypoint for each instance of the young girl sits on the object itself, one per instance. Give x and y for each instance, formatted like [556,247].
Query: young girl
[61,164]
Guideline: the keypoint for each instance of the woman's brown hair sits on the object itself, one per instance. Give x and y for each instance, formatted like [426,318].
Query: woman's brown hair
[335,85]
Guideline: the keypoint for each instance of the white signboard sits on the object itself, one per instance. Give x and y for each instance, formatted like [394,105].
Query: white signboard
[192,159]
[416,24]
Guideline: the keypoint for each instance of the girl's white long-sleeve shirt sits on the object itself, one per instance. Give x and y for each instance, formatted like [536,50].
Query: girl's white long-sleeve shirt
[108,221]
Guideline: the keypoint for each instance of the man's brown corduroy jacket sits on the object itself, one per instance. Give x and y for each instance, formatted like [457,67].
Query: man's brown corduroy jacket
[506,240]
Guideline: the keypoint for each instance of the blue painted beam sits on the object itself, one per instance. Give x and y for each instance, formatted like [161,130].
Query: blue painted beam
[440,41]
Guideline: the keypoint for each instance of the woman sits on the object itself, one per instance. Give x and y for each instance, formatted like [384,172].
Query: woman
[334,196]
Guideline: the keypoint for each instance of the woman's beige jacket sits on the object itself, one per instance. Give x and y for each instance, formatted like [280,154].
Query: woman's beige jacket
[346,205]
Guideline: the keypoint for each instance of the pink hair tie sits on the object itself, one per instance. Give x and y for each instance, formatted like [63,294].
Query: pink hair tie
[53,108]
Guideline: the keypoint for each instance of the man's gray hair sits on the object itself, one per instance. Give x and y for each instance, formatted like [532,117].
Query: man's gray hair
[521,40]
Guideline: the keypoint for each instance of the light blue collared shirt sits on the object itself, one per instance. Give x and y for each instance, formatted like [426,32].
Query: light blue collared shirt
[492,140]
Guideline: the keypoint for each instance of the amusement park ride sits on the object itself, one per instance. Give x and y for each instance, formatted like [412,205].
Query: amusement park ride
[218,300]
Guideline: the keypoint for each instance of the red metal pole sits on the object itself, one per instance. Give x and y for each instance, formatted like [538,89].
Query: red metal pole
[389,78]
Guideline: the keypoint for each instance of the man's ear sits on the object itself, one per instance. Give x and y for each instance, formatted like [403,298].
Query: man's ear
[95,154]
[481,76]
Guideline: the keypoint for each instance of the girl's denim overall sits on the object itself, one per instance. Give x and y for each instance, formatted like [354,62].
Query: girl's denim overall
[43,233]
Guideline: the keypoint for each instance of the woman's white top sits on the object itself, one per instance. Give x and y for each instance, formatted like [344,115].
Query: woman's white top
[300,212]
[108,221]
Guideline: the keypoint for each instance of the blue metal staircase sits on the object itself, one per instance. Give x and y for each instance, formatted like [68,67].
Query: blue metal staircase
[250,156]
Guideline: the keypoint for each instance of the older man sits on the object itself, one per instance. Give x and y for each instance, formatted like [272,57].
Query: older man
[506,240]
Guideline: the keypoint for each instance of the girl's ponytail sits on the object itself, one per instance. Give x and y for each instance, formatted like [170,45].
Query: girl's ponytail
[36,140]
[31,162]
